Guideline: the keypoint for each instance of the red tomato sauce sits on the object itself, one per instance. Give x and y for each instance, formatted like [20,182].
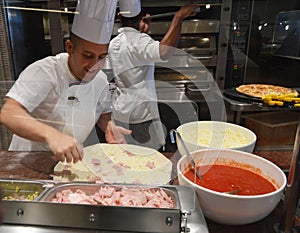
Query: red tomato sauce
[224,178]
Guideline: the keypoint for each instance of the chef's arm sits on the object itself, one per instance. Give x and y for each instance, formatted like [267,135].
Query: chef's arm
[170,40]
[16,118]
[144,24]
[113,134]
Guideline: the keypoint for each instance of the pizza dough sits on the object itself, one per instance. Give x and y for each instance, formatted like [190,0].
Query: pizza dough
[121,163]
[260,90]
[68,172]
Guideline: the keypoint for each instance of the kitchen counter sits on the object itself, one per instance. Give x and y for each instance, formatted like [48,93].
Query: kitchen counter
[40,165]
[239,105]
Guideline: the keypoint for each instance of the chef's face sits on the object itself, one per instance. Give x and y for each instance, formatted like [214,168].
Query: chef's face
[85,58]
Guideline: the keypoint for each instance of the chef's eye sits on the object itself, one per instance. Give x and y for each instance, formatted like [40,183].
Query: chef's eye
[88,56]
[102,57]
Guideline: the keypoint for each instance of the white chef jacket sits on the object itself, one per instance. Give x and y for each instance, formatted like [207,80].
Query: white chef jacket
[50,93]
[132,56]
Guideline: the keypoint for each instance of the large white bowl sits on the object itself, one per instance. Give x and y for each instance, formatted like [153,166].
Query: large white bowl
[214,136]
[234,209]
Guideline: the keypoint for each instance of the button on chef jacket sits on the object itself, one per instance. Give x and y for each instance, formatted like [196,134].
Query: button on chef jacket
[133,56]
[48,91]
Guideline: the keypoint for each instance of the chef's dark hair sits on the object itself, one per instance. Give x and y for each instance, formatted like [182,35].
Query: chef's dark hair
[130,21]
[74,38]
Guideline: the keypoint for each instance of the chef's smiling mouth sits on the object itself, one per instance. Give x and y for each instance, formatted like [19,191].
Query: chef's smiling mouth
[91,71]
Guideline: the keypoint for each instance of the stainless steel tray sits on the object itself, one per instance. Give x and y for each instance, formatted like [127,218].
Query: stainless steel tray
[186,216]
[90,189]
[22,190]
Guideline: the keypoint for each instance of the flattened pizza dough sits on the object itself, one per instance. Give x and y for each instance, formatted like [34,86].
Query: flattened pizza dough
[119,163]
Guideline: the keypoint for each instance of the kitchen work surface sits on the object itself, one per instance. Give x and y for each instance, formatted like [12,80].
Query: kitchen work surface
[40,166]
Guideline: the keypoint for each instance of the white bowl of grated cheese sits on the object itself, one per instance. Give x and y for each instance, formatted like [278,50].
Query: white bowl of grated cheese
[199,135]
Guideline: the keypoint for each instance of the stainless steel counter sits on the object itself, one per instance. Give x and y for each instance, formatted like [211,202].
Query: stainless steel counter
[238,107]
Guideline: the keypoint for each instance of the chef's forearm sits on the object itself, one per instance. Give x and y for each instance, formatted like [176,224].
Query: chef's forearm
[171,39]
[21,123]
[103,121]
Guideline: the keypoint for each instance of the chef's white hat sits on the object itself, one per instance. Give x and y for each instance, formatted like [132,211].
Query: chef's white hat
[94,20]
[130,8]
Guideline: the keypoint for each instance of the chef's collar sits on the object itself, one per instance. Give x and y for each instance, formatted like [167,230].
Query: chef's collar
[127,29]
[77,83]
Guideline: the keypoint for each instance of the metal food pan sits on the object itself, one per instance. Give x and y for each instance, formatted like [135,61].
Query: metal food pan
[109,218]
[22,190]
[91,188]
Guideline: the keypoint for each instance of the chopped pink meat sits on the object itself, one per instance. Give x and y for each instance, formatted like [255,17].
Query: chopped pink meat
[150,164]
[76,197]
[124,165]
[96,162]
[115,198]
[106,191]
[118,196]
[119,169]
[130,154]
[96,179]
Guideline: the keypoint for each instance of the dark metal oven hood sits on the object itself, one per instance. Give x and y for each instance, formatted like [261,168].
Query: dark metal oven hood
[193,26]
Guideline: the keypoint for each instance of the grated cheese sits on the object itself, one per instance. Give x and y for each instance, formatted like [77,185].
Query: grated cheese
[226,138]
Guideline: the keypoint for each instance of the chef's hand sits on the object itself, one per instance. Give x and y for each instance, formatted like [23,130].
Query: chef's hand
[187,10]
[115,134]
[64,147]
[145,24]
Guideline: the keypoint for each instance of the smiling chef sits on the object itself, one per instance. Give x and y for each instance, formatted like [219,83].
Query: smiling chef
[56,101]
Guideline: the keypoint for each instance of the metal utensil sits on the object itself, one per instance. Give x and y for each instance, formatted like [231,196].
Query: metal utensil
[186,151]
[233,192]
[197,10]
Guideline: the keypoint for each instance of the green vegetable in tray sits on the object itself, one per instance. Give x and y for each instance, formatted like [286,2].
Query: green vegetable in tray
[21,197]
[19,194]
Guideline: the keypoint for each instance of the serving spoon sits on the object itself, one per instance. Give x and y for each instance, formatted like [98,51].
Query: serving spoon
[233,192]
[186,151]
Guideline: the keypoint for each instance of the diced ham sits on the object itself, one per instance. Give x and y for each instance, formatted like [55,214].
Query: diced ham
[96,179]
[130,154]
[116,196]
[119,169]
[76,197]
[150,164]
[124,165]
[96,162]
[106,191]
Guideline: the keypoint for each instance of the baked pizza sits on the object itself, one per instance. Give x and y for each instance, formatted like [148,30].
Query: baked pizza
[260,90]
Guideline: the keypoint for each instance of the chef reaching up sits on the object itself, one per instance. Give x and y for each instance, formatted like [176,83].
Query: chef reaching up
[56,101]
[133,54]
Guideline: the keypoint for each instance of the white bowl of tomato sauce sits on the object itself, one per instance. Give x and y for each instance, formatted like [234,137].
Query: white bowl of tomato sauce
[199,135]
[258,184]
